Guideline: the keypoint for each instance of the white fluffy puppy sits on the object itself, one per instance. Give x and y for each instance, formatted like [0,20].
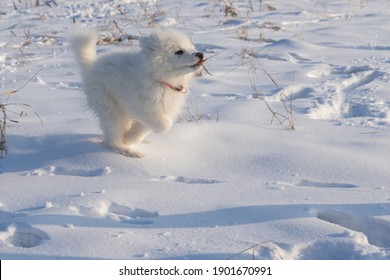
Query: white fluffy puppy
[135,93]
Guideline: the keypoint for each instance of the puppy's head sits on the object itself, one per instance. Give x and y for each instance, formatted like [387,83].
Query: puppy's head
[172,52]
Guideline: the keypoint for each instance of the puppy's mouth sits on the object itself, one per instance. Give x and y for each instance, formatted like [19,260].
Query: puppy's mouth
[198,64]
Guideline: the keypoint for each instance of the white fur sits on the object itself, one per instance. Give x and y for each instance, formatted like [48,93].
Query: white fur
[125,89]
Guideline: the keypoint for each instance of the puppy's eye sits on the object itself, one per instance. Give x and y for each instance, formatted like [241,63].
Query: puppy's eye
[179,52]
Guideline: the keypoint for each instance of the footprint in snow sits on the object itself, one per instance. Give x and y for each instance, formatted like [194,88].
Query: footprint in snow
[348,96]
[18,234]
[184,180]
[294,92]
[67,85]
[58,170]
[117,212]
[231,96]
[308,183]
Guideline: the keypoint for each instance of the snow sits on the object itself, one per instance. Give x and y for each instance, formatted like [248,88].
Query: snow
[229,180]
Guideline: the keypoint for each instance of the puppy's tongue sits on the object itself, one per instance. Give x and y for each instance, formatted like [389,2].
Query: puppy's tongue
[201,62]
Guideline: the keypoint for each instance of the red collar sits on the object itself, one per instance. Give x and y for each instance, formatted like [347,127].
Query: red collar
[180,88]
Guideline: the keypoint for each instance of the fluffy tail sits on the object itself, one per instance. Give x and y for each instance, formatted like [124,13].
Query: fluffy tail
[84,47]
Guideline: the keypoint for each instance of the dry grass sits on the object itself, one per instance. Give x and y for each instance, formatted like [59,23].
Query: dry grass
[148,14]
[230,10]
[34,3]
[249,58]
[6,111]
[3,124]
[253,249]
[283,118]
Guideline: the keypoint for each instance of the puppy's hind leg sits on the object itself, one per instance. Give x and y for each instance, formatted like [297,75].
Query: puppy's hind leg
[114,124]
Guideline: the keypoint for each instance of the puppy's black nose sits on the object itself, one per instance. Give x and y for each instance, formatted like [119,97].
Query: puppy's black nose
[199,55]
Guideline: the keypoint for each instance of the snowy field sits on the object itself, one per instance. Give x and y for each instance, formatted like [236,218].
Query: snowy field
[282,153]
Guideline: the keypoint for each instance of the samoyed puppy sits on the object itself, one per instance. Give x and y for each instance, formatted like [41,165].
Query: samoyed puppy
[136,93]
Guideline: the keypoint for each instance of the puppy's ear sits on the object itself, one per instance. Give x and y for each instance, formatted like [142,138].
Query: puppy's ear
[149,42]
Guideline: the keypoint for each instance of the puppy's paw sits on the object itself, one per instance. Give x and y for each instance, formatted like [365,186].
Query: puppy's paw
[126,151]
[163,124]
[131,153]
